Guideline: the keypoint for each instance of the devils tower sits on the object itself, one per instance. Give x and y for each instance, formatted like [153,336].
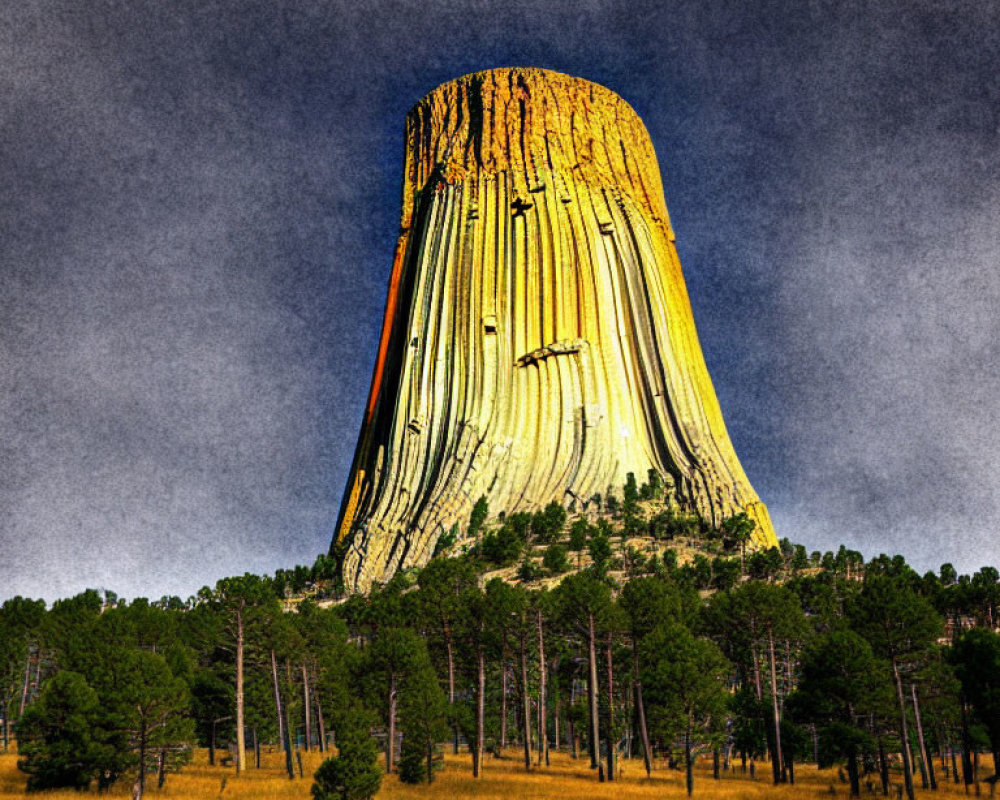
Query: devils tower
[538,341]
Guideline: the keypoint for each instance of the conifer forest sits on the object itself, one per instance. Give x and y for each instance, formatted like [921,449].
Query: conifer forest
[622,631]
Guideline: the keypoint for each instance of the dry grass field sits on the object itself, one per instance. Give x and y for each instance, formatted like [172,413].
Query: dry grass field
[504,779]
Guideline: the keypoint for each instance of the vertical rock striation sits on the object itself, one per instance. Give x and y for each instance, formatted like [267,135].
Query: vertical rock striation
[538,340]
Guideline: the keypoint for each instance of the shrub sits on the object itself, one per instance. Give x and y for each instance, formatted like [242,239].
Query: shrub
[529,571]
[556,560]
[502,547]
[547,525]
[353,774]
[59,736]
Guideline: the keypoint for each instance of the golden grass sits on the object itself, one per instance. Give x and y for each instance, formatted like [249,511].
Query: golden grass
[503,779]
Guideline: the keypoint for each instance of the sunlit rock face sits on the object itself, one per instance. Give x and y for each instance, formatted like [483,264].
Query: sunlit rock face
[538,341]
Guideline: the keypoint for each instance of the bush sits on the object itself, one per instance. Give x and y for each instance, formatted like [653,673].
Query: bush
[653,488]
[353,774]
[446,541]
[502,547]
[412,761]
[556,560]
[600,552]
[478,516]
[529,571]
[547,525]
[59,736]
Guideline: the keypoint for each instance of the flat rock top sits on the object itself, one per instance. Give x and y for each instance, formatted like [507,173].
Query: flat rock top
[540,127]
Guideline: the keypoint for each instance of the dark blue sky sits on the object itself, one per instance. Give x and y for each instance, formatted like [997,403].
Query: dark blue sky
[197,218]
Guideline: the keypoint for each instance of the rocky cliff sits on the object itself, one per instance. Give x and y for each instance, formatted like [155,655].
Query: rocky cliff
[538,340]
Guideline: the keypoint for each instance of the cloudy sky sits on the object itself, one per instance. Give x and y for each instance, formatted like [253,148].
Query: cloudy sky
[198,203]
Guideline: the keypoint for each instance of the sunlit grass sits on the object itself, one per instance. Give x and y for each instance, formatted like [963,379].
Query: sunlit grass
[503,779]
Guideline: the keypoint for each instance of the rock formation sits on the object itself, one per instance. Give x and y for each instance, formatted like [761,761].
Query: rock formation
[538,340]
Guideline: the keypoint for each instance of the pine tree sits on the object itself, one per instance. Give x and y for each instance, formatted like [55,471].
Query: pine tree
[352,774]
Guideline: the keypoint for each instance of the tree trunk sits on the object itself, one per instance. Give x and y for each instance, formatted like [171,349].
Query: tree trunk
[391,744]
[525,702]
[6,725]
[928,765]
[903,732]
[141,779]
[503,701]
[594,737]
[477,761]
[966,745]
[883,767]
[451,684]
[161,775]
[641,711]
[24,687]
[241,745]
[776,757]
[852,773]
[543,732]
[574,737]
[688,761]
[307,708]
[556,743]
[320,722]
[756,671]
[282,728]
[612,748]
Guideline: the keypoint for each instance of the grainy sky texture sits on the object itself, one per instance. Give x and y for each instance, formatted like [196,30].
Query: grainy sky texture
[199,202]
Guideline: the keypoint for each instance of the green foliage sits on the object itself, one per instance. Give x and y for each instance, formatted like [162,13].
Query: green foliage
[529,571]
[976,658]
[446,541]
[701,571]
[652,489]
[547,525]
[480,511]
[896,621]
[630,491]
[684,678]
[502,547]
[725,573]
[842,682]
[423,718]
[748,728]
[60,738]
[579,534]
[600,552]
[649,602]
[115,673]
[765,564]
[739,528]
[580,596]
[353,774]
[611,504]
[799,560]
[556,559]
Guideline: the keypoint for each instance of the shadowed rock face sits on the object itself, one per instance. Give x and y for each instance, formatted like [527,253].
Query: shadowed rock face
[538,341]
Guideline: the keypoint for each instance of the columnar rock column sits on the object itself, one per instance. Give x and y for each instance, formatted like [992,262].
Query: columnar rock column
[538,341]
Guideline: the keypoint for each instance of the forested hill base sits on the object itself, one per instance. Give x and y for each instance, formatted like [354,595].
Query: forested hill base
[637,632]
